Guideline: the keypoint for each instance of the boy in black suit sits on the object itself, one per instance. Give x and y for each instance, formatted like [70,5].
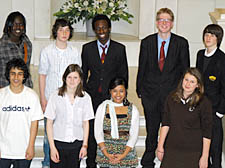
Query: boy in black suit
[211,62]
[104,59]
[164,57]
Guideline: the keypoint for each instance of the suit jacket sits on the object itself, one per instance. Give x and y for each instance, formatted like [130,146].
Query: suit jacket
[96,73]
[214,79]
[151,81]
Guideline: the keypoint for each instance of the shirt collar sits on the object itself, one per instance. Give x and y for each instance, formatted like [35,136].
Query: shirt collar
[211,53]
[100,44]
[160,40]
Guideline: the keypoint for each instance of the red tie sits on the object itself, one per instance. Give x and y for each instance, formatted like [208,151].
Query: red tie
[102,60]
[103,54]
[162,56]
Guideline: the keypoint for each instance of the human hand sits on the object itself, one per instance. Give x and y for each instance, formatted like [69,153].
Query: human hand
[160,153]
[203,162]
[83,152]
[118,158]
[54,155]
[43,103]
[111,157]
[29,153]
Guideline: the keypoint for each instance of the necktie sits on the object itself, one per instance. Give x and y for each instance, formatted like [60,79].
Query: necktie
[162,56]
[103,54]
[102,60]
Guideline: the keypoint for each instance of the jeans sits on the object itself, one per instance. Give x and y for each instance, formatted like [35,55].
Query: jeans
[46,161]
[17,163]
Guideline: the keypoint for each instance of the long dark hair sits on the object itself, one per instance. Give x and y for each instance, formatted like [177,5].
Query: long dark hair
[197,95]
[79,90]
[116,82]
[10,20]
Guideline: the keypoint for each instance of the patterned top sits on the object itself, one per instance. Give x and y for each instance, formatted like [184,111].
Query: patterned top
[10,50]
[118,146]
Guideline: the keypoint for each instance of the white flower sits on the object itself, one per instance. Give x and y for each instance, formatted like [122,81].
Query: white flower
[85,3]
[76,5]
[111,4]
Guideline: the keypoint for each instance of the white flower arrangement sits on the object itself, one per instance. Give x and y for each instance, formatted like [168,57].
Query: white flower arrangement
[77,10]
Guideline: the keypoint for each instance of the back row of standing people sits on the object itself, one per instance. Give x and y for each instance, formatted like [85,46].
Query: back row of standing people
[164,57]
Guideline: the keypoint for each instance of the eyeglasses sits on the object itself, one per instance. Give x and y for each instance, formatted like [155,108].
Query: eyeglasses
[164,20]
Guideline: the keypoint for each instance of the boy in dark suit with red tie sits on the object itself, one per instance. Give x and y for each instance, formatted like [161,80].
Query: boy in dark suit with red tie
[164,57]
[104,59]
[211,62]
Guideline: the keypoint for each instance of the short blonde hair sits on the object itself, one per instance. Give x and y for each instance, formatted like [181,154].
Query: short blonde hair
[165,10]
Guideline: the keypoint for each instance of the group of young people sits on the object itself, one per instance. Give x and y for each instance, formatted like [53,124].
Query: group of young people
[84,98]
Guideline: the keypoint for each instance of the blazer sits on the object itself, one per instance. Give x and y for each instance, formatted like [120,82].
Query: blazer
[150,80]
[214,79]
[95,73]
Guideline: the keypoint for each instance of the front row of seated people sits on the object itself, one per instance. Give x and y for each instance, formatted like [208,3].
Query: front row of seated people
[186,111]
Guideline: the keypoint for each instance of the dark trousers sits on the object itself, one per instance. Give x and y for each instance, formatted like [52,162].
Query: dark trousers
[92,145]
[17,163]
[68,154]
[215,153]
[153,117]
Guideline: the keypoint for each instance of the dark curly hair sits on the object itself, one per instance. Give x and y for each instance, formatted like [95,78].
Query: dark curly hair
[100,17]
[62,23]
[19,64]
[10,20]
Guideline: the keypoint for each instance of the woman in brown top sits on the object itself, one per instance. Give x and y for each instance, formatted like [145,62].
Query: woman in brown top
[186,125]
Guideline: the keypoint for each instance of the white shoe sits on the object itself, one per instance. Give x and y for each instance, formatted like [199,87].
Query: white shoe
[45,167]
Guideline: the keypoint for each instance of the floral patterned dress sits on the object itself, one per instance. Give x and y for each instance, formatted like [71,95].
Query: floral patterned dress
[117,146]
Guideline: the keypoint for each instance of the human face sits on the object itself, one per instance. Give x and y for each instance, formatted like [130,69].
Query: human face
[73,80]
[17,28]
[102,31]
[63,33]
[164,23]
[118,94]
[189,84]
[16,77]
[210,40]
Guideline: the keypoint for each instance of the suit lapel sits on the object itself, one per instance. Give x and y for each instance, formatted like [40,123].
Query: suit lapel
[155,50]
[96,56]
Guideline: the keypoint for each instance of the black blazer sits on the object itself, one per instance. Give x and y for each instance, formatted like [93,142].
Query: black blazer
[214,79]
[96,73]
[150,80]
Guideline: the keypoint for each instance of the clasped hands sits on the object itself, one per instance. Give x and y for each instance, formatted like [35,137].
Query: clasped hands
[115,158]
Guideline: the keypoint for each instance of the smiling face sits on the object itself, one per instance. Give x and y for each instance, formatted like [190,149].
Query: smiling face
[102,31]
[63,33]
[16,77]
[189,85]
[118,94]
[73,80]
[164,23]
[17,28]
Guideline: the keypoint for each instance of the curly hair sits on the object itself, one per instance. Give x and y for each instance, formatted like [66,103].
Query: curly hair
[10,20]
[19,64]
[62,23]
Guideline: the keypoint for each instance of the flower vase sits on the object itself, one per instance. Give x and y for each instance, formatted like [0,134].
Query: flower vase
[89,30]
